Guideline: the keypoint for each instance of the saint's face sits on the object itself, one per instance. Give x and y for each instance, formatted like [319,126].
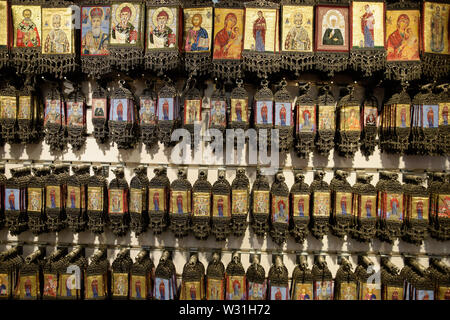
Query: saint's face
[333,23]
[298,20]
[56,21]
[124,17]
[162,21]
[196,21]
[27,14]
[96,22]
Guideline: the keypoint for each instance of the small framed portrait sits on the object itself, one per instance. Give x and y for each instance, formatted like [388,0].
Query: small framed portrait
[99,108]
[323,290]
[138,287]
[135,200]
[444,206]
[75,114]
[283,114]
[402,35]
[343,203]
[218,113]
[368,206]
[214,289]
[256,291]
[165,109]
[235,288]
[179,202]
[419,208]
[162,289]
[264,110]
[57,31]
[327,116]
[117,199]
[424,294]
[394,206]
[95,199]
[367,24]
[221,205]
[73,197]
[147,111]
[394,293]
[95,22]
[279,293]
[444,293]
[280,209]
[162,27]
[239,110]
[121,110]
[95,287]
[157,199]
[430,116]
[198,24]
[403,116]
[261,201]
[228,33]
[119,284]
[300,205]
[12,197]
[53,197]
[297,28]
[350,119]
[202,204]
[261,30]
[370,116]
[303,291]
[435,27]
[239,202]
[369,291]
[332,28]
[5,288]
[8,107]
[126,24]
[306,119]
[192,111]
[27,26]
[321,204]
[4,26]
[35,199]
[67,286]
[443,114]
[348,291]
[25,103]
[29,287]
[53,113]
[50,285]
[192,290]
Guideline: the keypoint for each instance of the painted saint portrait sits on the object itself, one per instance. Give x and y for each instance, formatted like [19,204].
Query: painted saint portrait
[394,293]
[332,28]
[53,197]
[214,289]
[12,198]
[135,200]
[138,287]
[73,197]
[403,116]
[367,24]
[217,113]
[370,116]
[402,32]
[99,108]
[162,24]
[4,285]
[264,110]
[121,110]
[179,202]
[162,289]
[350,119]
[94,287]
[261,201]
[443,114]
[229,33]
[300,205]
[95,23]
[3,26]
[444,206]
[147,111]
[370,292]
[192,111]
[53,112]
[256,291]
[321,204]
[327,118]
[297,24]
[368,206]
[306,119]
[261,30]
[323,290]
[283,114]
[191,291]
[239,110]
[165,109]
[444,293]
[394,206]
[157,199]
[280,209]
[221,206]
[343,203]
[27,26]
[35,199]
[95,199]
[279,293]
[75,113]
[436,27]
[24,108]
[126,24]
[117,199]
[419,208]
[8,107]
[67,286]
[303,291]
[202,204]
[28,287]
[424,294]
[348,291]
[50,285]
[235,288]
[120,284]
[430,116]
[239,202]
[57,31]
[197,29]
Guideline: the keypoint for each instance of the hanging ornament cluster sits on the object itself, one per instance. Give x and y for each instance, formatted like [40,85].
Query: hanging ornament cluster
[306,121]
[97,276]
[240,202]
[139,200]
[97,201]
[302,280]
[8,114]
[76,195]
[326,128]
[260,204]
[118,212]
[36,201]
[391,281]
[439,192]
[321,202]
[279,220]
[148,116]
[365,204]
[15,200]
[141,275]
[180,204]
[55,120]
[346,281]
[300,203]
[349,120]
[158,197]
[192,283]
[55,195]
[215,278]
[278,280]
[201,206]
[100,113]
[341,199]
[120,275]
[76,118]
[221,207]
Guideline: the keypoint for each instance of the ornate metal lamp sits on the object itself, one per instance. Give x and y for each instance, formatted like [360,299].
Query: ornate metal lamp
[280,209]
[326,123]
[341,197]
[300,203]
[321,205]
[96,287]
[118,197]
[180,204]
[192,284]
[141,276]
[120,275]
[240,202]
[260,209]
[278,280]
[302,280]
[221,207]
[76,208]
[158,197]
[201,206]
[236,284]
[256,279]
[36,201]
[139,200]
[97,201]
[306,121]
[15,200]
[215,279]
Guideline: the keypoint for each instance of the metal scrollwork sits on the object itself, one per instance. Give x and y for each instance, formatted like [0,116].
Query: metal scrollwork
[260,204]
[192,110]
[240,202]
[167,111]
[120,274]
[76,196]
[300,203]
[97,201]
[306,129]
[158,197]
[100,112]
[391,281]
[55,120]
[148,116]
[283,112]
[76,118]
[368,283]
[238,108]
[280,209]
[215,272]
[263,114]
[64,268]
[29,274]
[55,190]
[322,278]
[349,133]
[221,207]
[439,193]
[118,195]
[36,201]
[302,280]
[444,128]
[278,278]
[201,206]
[369,125]
[365,205]
[165,272]
[440,275]
[50,273]
[141,276]
[235,271]
[417,278]
[97,276]
[15,192]
[193,275]
[180,204]
[8,116]
[218,109]
[346,281]
[28,121]
[139,200]
[342,217]
[320,205]
[256,276]
[326,128]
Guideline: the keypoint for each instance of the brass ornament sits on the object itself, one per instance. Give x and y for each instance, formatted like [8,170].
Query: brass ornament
[100,112]
[16,217]
[346,281]
[305,108]
[283,113]
[278,280]
[192,110]
[158,195]
[440,275]
[368,288]
[240,202]
[75,258]
[76,198]
[36,201]
[300,197]
[302,280]
[348,118]
[192,283]
[56,194]
[215,272]
[27,287]
[221,201]
[76,118]
[238,109]
[263,114]
[321,205]
[55,120]
[180,204]
[392,283]
[120,275]
[50,273]
[28,120]
[118,208]
[142,270]
[439,193]
[369,125]
[322,276]
[10,262]
[96,286]
[444,128]
[168,109]
[342,219]
[234,270]
[201,206]
[326,121]
[8,116]
[417,278]
[280,209]
[139,200]
[97,201]
[256,279]
[165,273]
[260,204]
[148,122]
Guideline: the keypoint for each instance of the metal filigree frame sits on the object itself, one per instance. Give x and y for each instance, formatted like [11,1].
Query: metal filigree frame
[179,223]
[298,224]
[17,220]
[76,135]
[97,218]
[286,133]
[201,225]
[119,222]
[221,226]
[99,266]
[37,219]
[325,137]
[279,230]
[348,140]
[77,218]
[101,130]
[159,219]
[239,221]
[139,220]
[319,225]
[259,221]
[305,140]
[341,225]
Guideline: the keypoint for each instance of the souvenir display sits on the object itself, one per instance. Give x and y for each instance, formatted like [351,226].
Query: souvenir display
[369,125]
[322,279]
[201,206]
[97,201]
[95,23]
[278,280]
[162,50]
[10,262]
[261,39]
[158,197]
[321,205]
[96,280]
[300,201]
[263,114]
[260,204]
[28,117]
[256,279]
[197,35]
[100,112]
[36,201]
[364,207]
[15,200]
[75,202]
[55,119]
[435,34]
[228,39]
[148,119]
[192,284]
[76,119]
[349,120]
[2,196]
[238,108]
[141,278]
[192,110]
[126,34]
[165,285]
[180,204]
[120,275]
[302,280]
[440,275]
[368,288]
[69,286]
[326,122]
[346,281]
[444,128]
[391,282]
[55,196]
[139,200]
[50,273]
[283,117]
[4,33]
[403,38]
[167,111]
[280,209]
[215,279]
[235,279]
[342,217]
[221,207]
[306,121]
[8,114]
[118,198]
[58,55]
[240,202]
[367,52]
[418,282]
[390,207]
[439,193]
[416,202]
[28,279]
[218,109]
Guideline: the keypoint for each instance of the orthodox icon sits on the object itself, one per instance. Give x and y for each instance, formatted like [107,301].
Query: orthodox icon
[368,206]
[370,116]
[202,204]
[50,285]
[350,119]
[138,287]
[126,24]
[94,287]
[120,110]
[239,110]
[264,111]
[218,113]
[162,28]
[4,25]
[332,29]
[235,287]
[443,114]
[444,206]
[27,26]
[28,287]
[12,197]
[53,112]
[147,112]
[136,200]
[67,285]
[95,23]
[75,112]
[157,199]
[53,197]
[8,107]
[297,28]
[192,111]
[4,285]
[367,24]
[95,198]
[402,31]
[179,202]
[162,289]
[239,202]
[323,290]
[192,290]
[261,201]
[394,293]
[57,31]
[419,208]
[348,291]
[35,199]
[261,30]
[370,292]
[436,26]
[300,205]
[403,116]
[116,198]
[73,197]
[283,114]
[444,293]
[99,107]
[303,291]
[221,206]
[197,29]
[343,203]
[256,291]
[424,294]
[321,205]
[430,116]
[280,209]
[120,284]
[306,119]
[214,289]
[229,31]
[24,108]
[394,206]
[165,109]
[278,293]
[326,118]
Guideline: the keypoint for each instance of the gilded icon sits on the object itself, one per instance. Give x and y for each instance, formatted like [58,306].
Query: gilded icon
[57,31]
[279,293]
[218,113]
[394,206]
[202,204]
[443,114]
[27,26]
[221,206]
[261,30]
[256,291]
[306,119]
[444,206]
[192,290]
[297,24]
[53,197]
[179,202]
[264,112]
[321,206]
[8,107]
[229,31]
[67,285]
[95,198]
[157,199]
[343,203]
[430,116]
[424,294]
[192,111]
[165,109]
[394,293]
[4,285]
[136,200]
[239,110]
[444,293]
[94,287]
[75,113]
[3,26]
[29,287]
[73,197]
[348,291]
[239,202]
[403,116]
[138,287]
[369,291]
[323,290]
[402,32]
[12,197]
[235,287]
[350,119]
[332,28]
[327,118]
[197,29]
[162,24]
[120,284]
[283,114]
[117,199]
[214,289]
[121,110]
[53,112]
[24,108]
[367,24]
[419,208]
[368,206]
[436,26]
[370,116]
[126,24]
[99,108]
[35,199]
[147,112]
[280,209]
[303,291]
[95,23]
[162,289]
[261,202]
[300,205]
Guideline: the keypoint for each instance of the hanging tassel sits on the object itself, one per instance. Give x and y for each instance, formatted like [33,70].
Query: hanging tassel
[320,200]
[240,202]
[180,204]
[118,214]
[121,268]
[341,199]
[221,207]
[76,198]
[158,200]
[201,209]
[280,209]
[97,276]
[141,276]
[215,279]
[16,215]
[300,199]
[139,201]
[192,283]
[260,208]
[346,282]
[235,275]
[97,201]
